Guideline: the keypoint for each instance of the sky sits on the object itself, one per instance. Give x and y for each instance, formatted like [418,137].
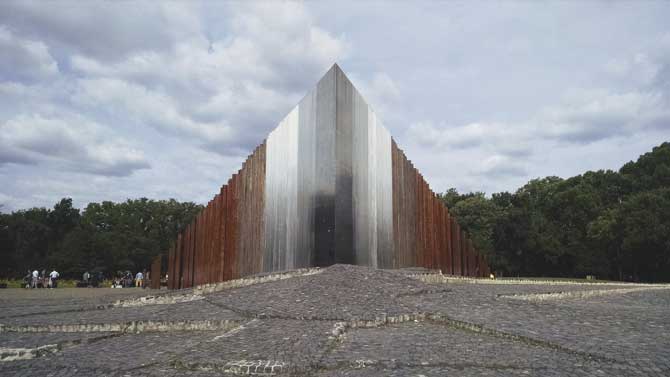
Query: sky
[114,100]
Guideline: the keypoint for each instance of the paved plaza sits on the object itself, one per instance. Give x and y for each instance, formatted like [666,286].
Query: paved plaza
[341,321]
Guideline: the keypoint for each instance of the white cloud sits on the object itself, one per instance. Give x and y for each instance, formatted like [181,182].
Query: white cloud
[103,29]
[590,115]
[508,139]
[225,93]
[24,59]
[501,165]
[75,144]
[190,88]
[150,107]
[380,91]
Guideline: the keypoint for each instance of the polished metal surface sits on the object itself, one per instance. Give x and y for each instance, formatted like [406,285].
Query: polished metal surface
[328,189]
[329,185]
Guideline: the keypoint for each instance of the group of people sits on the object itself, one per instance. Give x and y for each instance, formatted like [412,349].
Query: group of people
[127,280]
[37,279]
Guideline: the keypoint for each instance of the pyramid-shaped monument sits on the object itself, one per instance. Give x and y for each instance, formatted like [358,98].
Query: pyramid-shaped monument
[328,185]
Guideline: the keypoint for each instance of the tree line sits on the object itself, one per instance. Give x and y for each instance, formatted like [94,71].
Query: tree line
[105,237]
[611,224]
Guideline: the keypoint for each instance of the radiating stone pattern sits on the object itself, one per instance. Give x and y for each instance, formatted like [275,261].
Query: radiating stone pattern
[329,185]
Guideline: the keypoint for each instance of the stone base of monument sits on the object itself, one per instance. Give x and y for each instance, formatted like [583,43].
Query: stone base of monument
[342,320]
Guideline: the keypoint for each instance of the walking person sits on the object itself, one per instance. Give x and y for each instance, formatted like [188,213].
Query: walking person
[54,278]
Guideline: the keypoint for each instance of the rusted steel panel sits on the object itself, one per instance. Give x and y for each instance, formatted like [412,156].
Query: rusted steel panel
[189,250]
[180,268]
[184,248]
[442,249]
[210,241]
[170,270]
[429,227]
[464,253]
[195,257]
[204,263]
[420,245]
[213,229]
[204,253]
[187,258]
[216,227]
[426,223]
[200,251]
[473,259]
[429,222]
[439,233]
[406,210]
[250,214]
[456,246]
[396,191]
[155,281]
[449,269]
[222,232]
[260,201]
[230,257]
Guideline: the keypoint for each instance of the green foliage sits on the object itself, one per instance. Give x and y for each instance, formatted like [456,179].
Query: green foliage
[106,237]
[610,224]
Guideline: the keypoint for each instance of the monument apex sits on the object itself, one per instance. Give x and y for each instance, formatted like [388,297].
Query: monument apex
[329,185]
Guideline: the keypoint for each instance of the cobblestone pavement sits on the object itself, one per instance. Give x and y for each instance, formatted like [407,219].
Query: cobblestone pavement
[341,321]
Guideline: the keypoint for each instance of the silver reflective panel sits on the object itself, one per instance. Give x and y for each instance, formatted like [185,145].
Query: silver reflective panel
[328,185]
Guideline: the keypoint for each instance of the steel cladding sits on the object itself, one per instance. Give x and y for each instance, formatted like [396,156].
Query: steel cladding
[329,185]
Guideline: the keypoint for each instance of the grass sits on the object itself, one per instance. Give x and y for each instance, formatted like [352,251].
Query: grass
[18,283]
[62,283]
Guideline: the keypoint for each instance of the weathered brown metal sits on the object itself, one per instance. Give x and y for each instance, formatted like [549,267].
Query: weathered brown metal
[171,264]
[466,253]
[155,278]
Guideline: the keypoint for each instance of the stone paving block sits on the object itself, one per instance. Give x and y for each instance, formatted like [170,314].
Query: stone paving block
[32,340]
[290,345]
[178,312]
[338,293]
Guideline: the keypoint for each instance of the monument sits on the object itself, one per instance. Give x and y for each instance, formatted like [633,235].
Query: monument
[329,185]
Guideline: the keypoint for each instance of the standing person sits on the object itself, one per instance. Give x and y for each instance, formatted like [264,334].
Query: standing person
[36,277]
[27,279]
[54,278]
[138,279]
[44,281]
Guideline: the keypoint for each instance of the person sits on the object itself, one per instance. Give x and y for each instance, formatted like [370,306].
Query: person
[36,277]
[138,279]
[54,278]
[27,279]
[86,277]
